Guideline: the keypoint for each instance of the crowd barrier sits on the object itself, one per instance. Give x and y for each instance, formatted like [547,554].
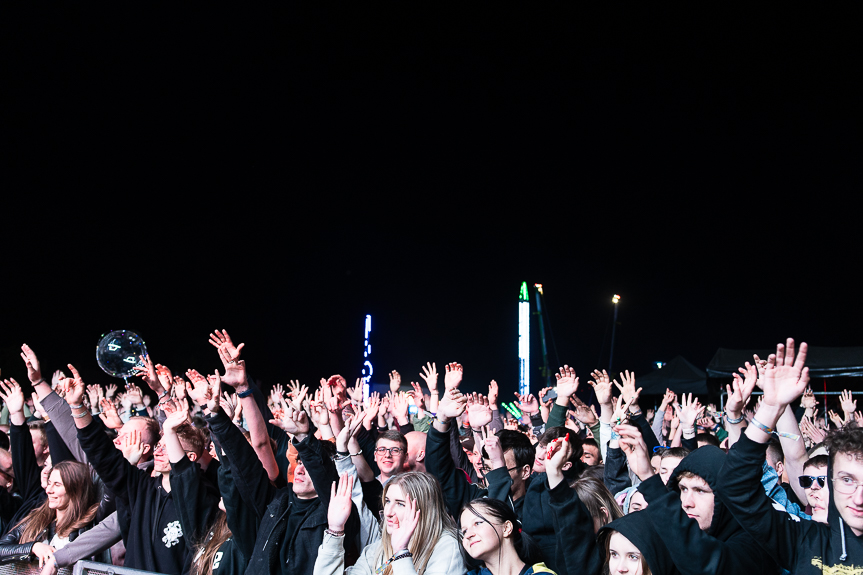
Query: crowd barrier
[80,568]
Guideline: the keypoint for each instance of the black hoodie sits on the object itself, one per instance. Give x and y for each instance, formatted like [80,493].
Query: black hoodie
[797,545]
[725,547]
[638,529]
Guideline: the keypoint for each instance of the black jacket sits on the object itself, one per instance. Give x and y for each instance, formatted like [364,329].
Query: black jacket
[155,540]
[27,473]
[576,550]
[725,547]
[272,506]
[11,548]
[797,545]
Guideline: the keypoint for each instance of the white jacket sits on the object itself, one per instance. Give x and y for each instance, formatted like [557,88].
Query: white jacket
[446,559]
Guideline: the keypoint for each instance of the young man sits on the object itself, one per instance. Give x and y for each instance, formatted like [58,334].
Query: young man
[798,546]
[391,452]
[154,538]
[814,483]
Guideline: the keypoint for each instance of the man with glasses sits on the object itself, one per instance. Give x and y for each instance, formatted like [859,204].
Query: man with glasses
[798,546]
[391,451]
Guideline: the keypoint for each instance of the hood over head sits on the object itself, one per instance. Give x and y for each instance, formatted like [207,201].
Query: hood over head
[638,528]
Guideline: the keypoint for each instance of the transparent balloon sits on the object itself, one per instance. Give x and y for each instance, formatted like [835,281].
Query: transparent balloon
[119,351]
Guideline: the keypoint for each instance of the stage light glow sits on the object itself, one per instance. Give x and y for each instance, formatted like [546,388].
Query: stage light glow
[524,340]
[615,299]
[368,370]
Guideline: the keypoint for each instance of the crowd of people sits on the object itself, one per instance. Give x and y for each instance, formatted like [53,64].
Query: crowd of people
[208,475]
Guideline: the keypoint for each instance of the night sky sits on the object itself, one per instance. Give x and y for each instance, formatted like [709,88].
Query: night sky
[284,172]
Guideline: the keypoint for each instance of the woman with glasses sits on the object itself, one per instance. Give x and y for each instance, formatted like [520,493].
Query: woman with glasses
[418,535]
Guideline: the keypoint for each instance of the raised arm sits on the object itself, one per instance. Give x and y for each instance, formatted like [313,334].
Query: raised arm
[24,465]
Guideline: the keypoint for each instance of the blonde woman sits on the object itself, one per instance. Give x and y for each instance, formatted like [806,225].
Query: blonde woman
[418,536]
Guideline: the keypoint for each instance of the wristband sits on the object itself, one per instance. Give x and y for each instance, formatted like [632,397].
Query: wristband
[614,435]
[761,426]
[358,453]
[162,395]
[635,413]
[733,421]
[688,433]
[335,533]
[246,393]
[35,383]
[76,406]
[80,415]
[343,453]
[441,421]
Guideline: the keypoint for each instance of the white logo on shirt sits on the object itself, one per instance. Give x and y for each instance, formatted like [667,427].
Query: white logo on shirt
[217,559]
[173,532]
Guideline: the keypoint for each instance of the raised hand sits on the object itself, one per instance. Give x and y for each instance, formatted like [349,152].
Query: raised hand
[690,410]
[669,398]
[395,381]
[452,404]
[848,403]
[834,417]
[567,384]
[601,387]
[491,442]
[371,411]
[400,407]
[556,457]
[401,535]
[740,390]
[492,393]
[131,447]
[56,378]
[542,395]
[785,378]
[339,509]
[135,395]
[74,387]
[34,370]
[356,392]
[633,445]
[110,391]
[429,375]
[627,390]
[585,414]
[299,392]
[147,372]
[222,341]
[277,393]
[197,389]
[419,400]
[214,388]
[293,421]
[109,414]
[37,406]
[165,377]
[93,394]
[453,376]
[621,411]
[12,395]
[808,399]
[528,403]
[177,415]
[811,431]
[479,413]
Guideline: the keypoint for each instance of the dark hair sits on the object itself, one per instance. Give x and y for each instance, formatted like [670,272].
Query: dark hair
[678,452]
[487,508]
[393,435]
[575,441]
[817,461]
[707,438]
[201,423]
[595,471]
[596,497]
[774,451]
[848,439]
[39,427]
[517,442]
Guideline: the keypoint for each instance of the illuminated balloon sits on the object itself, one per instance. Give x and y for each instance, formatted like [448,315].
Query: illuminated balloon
[119,351]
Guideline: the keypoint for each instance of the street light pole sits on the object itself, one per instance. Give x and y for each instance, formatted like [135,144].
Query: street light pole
[615,301]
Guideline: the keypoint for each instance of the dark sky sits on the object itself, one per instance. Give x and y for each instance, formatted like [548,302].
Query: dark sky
[284,172]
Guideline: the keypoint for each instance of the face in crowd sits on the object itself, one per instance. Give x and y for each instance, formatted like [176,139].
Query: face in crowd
[696,498]
[814,483]
[390,456]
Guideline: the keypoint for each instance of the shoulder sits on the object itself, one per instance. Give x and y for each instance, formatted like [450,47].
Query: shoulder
[538,568]
[447,555]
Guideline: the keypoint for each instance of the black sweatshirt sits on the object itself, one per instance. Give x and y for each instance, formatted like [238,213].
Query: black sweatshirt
[725,547]
[272,506]
[797,545]
[155,539]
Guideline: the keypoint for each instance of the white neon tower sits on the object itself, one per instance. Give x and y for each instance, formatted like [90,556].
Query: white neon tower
[367,351]
[523,340]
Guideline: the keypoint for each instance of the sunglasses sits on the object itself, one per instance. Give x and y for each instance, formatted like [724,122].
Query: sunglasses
[807,480]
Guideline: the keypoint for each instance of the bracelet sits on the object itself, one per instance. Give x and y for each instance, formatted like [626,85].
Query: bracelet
[76,406]
[358,453]
[246,393]
[761,426]
[35,383]
[80,415]
[335,533]
[161,395]
[688,433]
[395,557]
[614,435]
[635,413]
[343,453]
[441,421]
[733,421]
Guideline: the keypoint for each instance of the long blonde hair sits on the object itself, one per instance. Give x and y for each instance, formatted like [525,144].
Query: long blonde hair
[81,509]
[434,521]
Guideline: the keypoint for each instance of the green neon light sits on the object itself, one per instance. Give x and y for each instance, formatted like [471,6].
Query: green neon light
[522,296]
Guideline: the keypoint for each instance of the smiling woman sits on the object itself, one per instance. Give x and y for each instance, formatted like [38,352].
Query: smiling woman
[418,535]
[491,533]
[71,505]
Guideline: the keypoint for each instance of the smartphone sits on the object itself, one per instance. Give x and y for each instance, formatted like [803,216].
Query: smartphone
[551,395]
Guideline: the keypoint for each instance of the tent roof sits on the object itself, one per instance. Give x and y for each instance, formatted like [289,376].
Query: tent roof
[822,361]
[678,375]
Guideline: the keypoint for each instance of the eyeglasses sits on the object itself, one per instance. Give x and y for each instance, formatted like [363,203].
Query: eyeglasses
[845,485]
[392,450]
[807,480]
